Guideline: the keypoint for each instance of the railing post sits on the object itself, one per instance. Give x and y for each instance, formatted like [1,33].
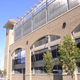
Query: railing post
[46,11]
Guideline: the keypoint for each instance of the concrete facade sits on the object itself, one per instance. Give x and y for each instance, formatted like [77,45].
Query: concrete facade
[53,27]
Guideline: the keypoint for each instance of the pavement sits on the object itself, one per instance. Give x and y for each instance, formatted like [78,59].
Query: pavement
[1,78]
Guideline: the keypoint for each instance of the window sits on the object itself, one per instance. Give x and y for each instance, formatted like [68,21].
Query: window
[18,50]
[54,51]
[41,41]
[18,71]
[54,37]
[40,70]
[57,51]
[41,56]
[57,69]
[38,55]
[77,30]
[78,67]
[78,40]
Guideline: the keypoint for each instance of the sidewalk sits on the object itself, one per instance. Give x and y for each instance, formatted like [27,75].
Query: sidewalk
[1,78]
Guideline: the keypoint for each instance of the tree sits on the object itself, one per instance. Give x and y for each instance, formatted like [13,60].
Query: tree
[0,71]
[49,63]
[69,55]
[4,72]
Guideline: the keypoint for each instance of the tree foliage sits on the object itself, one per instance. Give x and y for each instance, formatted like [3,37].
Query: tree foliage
[0,71]
[4,72]
[49,63]
[69,54]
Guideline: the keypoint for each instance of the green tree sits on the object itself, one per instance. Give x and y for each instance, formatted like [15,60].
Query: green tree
[0,71]
[69,55]
[49,63]
[4,72]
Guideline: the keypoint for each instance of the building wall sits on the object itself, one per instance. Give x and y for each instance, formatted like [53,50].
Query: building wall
[9,41]
[46,77]
[68,77]
[17,77]
[54,27]
[78,76]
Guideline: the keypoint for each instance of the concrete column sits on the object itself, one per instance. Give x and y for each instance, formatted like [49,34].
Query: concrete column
[33,70]
[11,64]
[49,42]
[33,62]
[75,74]
[28,64]
[22,70]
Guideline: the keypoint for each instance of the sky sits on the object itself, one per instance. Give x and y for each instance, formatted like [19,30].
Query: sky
[10,9]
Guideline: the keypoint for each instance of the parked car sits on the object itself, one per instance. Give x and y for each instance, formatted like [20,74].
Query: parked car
[56,71]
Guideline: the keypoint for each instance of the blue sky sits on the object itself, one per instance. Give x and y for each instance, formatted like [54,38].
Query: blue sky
[10,9]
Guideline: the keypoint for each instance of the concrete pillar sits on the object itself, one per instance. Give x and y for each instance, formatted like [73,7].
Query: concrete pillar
[49,42]
[28,64]
[11,64]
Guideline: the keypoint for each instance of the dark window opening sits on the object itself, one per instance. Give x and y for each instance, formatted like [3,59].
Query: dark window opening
[41,56]
[54,51]
[58,54]
[38,55]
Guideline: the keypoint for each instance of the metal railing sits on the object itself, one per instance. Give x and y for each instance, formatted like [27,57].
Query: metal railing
[40,13]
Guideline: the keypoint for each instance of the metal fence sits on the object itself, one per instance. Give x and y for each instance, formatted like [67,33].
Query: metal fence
[45,11]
